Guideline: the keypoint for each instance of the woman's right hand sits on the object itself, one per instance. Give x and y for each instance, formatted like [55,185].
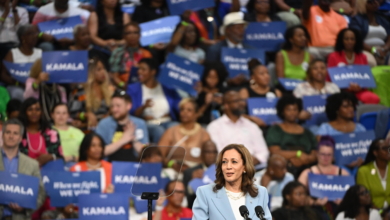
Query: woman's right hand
[92,120]
[209,98]
[110,44]
[161,198]
[148,103]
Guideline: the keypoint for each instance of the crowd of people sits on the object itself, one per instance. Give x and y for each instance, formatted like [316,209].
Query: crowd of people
[118,112]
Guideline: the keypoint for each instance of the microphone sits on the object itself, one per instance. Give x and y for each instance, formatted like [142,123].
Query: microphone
[259,212]
[244,212]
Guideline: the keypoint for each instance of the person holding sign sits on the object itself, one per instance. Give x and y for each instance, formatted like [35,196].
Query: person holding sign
[234,187]
[374,173]
[260,11]
[150,10]
[289,139]
[12,161]
[290,11]
[357,204]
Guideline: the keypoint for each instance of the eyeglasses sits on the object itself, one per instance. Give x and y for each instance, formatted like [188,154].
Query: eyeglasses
[325,155]
[385,148]
[365,192]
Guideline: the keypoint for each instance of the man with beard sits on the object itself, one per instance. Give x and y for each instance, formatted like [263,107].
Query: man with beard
[233,128]
[120,123]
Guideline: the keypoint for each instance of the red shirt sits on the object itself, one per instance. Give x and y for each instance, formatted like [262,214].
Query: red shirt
[185,213]
[336,59]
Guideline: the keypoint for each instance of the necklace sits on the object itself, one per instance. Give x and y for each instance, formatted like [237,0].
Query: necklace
[93,167]
[190,132]
[234,196]
[30,147]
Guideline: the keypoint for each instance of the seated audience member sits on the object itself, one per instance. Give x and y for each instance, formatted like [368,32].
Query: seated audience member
[208,155]
[316,83]
[124,134]
[209,99]
[289,139]
[91,154]
[290,11]
[386,214]
[40,141]
[70,136]
[150,10]
[261,11]
[375,30]
[48,93]
[293,60]
[188,134]
[294,204]
[348,51]
[317,19]
[157,104]
[233,128]
[57,10]
[12,161]
[13,108]
[106,24]
[151,155]
[374,173]
[356,204]
[89,103]
[127,56]
[344,7]
[340,109]
[274,178]
[208,22]
[173,209]
[185,42]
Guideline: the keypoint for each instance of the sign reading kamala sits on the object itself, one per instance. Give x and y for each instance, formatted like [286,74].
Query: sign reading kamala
[60,28]
[180,73]
[66,66]
[19,188]
[123,175]
[208,177]
[159,30]
[316,106]
[345,75]
[332,187]
[177,7]
[64,187]
[19,71]
[265,35]
[103,207]
[349,147]
[264,108]
[236,60]
[289,84]
[147,178]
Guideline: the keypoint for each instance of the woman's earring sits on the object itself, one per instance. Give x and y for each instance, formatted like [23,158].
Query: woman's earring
[252,82]
[244,171]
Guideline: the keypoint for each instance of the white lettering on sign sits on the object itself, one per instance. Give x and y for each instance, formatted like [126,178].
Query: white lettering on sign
[264,111]
[157,31]
[64,66]
[265,36]
[177,1]
[136,179]
[104,210]
[316,109]
[60,31]
[330,187]
[345,76]
[16,189]
[25,73]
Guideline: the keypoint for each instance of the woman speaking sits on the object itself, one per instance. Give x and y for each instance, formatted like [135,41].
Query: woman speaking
[233,188]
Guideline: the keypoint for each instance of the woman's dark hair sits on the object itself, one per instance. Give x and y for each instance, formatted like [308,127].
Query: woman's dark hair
[118,14]
[148,2]
[286,100]
[148,152]
[350,204]
[358,48]
[43,123]
[219,68]
[334,102]
[152,64]
[288,190]
[370,155]
[197,40]
[22,30]
[326,140]
[133,24]
[13,105]
[252,64]
[59,104]
[86,144]
[287,45]
[250,6]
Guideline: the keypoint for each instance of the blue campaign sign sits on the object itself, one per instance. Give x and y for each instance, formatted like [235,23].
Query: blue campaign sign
[268,36]
[208,177]
[180,73]
[177,7]
[359,74]
[264,108]
[64,187]
[159,30]
[289,84]
[19,71]
[147,179]
[236,60]
[123,175]
[129,9]
[316,106]
[19,188]
[349,147]
[103,206]
[66,66]
[56,165]
[60,28]
[332,187]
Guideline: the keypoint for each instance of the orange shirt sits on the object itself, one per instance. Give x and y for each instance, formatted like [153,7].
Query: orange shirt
[107,167]
[323,27]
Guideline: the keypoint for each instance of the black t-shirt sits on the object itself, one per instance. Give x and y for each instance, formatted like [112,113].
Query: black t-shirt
[126,152]
[290,214]
[297,4]
[143,13]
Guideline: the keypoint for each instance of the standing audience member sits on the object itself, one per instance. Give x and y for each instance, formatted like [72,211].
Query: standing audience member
[13,108]
[261,11]
[12,161]
[150,10]
[233,128]
[290,11]
[70,136]
[356,204]
[157,104]
[374,173]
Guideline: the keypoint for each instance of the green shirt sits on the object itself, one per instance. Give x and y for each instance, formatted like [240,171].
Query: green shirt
[295,71]
[4,98]
[305,142]
[71,140]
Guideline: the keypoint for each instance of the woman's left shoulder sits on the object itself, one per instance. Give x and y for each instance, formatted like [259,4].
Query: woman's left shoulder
[261,189]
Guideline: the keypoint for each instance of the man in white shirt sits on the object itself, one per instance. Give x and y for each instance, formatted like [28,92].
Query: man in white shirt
[233,128]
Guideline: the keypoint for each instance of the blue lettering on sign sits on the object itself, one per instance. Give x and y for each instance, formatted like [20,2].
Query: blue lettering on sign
[104,210]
